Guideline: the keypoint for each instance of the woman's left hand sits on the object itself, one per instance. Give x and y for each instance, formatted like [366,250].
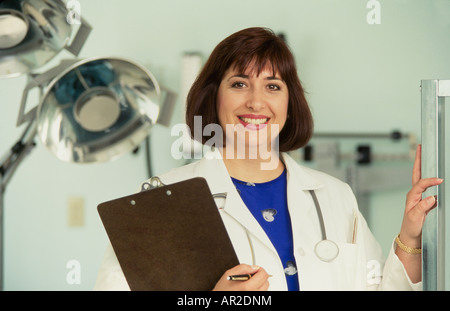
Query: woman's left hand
[417,208]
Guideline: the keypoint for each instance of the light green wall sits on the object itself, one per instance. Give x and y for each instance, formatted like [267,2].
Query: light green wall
[359,78]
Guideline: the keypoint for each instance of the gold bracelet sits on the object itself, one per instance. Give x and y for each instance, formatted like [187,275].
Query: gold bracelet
[405,248]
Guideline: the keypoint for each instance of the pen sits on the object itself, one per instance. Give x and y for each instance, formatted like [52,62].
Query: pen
[241,277]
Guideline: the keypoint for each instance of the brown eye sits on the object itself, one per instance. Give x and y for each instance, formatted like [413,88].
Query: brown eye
[238,85]
[273,87]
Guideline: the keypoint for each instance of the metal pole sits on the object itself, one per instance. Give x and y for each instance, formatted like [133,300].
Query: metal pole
[8,166]
[433,165]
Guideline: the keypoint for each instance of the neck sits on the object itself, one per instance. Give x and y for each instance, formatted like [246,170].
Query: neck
[254,170]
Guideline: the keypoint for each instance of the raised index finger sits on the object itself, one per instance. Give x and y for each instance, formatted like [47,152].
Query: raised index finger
[417,173]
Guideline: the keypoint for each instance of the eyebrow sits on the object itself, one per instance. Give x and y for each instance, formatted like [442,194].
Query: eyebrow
[243,76]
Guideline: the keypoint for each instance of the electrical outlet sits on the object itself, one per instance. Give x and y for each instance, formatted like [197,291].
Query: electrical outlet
[75,211]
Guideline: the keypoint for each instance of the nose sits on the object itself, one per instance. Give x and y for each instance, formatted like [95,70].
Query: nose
[255,100]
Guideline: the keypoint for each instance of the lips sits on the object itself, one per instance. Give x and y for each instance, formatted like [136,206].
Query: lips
[253,122]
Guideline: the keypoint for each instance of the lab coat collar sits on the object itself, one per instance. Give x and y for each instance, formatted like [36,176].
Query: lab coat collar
[213,169]
[303,179]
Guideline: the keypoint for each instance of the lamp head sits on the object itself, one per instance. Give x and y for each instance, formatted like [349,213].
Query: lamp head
[98,109]
[32,32]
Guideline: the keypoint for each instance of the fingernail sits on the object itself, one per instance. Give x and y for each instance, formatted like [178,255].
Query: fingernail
[432,200]
[255,267]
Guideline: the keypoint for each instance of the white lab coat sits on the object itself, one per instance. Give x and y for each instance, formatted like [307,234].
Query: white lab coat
[359,266]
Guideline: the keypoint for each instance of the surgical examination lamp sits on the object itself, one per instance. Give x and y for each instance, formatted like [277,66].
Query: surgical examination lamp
[89,110]
[96,109]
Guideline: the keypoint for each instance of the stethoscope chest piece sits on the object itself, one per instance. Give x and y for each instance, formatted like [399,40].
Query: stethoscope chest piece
[326,250]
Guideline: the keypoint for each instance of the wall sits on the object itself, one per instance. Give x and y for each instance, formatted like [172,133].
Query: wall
[359,78]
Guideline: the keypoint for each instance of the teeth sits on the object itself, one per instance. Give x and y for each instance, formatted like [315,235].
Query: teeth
[254,121]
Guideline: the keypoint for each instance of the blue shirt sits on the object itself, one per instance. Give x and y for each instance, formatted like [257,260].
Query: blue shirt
[268,204]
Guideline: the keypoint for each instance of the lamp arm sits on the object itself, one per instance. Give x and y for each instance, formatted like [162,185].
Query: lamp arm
[39,80]
[8,166]
[17,153]
[80,38]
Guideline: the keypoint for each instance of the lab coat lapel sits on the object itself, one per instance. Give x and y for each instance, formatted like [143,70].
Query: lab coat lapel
[300,204]
[306,228]
[216,174]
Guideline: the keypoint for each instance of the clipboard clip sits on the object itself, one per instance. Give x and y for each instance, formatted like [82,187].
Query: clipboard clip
[152,183]
[222,195]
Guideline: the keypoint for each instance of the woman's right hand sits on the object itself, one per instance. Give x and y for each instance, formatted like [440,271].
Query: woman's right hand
[258,282]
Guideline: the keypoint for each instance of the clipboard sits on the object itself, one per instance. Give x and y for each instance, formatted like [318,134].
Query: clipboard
[170,237]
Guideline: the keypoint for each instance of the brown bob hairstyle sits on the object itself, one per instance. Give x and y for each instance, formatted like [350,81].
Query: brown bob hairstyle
[259,47]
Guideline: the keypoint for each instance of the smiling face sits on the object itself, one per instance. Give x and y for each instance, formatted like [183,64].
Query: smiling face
[257,102]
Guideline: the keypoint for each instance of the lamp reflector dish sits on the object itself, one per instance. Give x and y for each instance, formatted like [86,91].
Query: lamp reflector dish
[97,109]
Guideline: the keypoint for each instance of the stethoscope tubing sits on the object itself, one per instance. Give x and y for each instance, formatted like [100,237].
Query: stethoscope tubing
[319,214]
[326,250]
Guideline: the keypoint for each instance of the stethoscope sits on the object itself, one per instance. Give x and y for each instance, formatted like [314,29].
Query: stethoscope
[326,250]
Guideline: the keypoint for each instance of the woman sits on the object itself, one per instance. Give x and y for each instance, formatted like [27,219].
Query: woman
[249,86]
